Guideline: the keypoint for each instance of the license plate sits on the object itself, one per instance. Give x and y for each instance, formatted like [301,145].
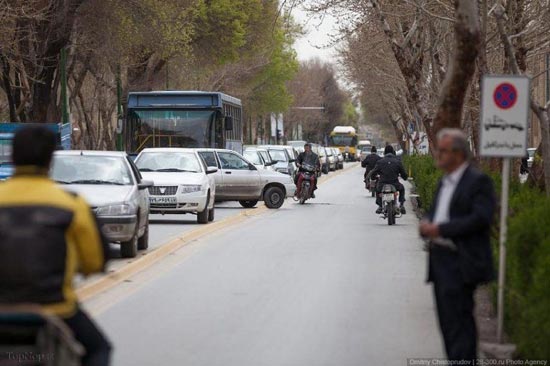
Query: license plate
[163,200]
[389,197]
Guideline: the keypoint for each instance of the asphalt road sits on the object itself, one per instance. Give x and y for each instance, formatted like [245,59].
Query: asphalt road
[327,283]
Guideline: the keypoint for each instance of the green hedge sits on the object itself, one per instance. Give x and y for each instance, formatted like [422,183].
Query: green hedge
[528,259]
[425,174]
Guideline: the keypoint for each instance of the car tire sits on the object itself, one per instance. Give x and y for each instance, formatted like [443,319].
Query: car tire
[325,169]
[143,242]
[248,204]
[211,214]
[129,249]
[274,197]
[202,217]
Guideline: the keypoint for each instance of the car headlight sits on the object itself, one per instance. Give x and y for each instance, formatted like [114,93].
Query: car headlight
[116,210]
[190,188]
[283,170]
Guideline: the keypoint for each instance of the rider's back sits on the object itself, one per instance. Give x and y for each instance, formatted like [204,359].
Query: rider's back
[46,235]
[390,168]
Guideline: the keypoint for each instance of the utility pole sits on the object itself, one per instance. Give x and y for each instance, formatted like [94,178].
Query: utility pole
[119,110]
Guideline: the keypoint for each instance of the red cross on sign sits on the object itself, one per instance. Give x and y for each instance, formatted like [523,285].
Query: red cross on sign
[505,96]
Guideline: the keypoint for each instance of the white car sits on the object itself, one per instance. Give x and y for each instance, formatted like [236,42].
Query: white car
[182,183]
[340,158]
[111,184]
[238,179]
[332,160]
[259,157]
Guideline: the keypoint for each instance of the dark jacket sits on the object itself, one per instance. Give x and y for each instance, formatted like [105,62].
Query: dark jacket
[370,161]
[389,168]
[311,159]
[471,215]
[46,236]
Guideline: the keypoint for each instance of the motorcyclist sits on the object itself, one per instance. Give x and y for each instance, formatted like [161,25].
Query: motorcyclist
[310,158]
[389,168]
[47,236]
[370,161]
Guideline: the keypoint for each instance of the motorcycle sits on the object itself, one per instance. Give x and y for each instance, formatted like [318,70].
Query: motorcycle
[307,176]
[390,209]
[30,337]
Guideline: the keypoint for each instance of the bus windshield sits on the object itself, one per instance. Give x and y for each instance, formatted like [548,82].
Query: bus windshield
[171,128]
[343,140]
[5,148]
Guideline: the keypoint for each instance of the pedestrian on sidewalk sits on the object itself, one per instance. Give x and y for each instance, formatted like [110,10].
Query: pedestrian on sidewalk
[458,230]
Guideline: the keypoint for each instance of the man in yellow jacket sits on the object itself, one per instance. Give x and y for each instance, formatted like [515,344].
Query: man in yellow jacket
[46,236]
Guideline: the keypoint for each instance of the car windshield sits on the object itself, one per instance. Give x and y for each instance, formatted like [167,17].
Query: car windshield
[253,157]
[168,162]
[265,156]
[278,155]
[90,169]
[531,152]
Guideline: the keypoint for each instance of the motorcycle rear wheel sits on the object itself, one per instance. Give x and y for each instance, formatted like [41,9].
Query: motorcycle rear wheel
[391,213]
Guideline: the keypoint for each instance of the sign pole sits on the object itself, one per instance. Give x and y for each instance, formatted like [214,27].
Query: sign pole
[502,247]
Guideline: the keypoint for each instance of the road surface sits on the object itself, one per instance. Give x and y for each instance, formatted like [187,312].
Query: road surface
[327,283]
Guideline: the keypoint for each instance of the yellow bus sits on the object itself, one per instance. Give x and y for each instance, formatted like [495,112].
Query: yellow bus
[345,139]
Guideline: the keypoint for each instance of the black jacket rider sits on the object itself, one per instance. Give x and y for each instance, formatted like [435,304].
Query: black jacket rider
[390,168]
[370,162]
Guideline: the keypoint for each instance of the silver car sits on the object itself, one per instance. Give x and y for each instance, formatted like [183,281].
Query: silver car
[331,159]
[259,157]
[113,186]
[285,162]
[238,179]
[340,158]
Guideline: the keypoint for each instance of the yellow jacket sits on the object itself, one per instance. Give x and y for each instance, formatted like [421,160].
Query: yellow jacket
[46,236]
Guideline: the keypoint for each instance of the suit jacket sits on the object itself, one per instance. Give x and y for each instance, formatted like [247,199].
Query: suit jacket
[471,215]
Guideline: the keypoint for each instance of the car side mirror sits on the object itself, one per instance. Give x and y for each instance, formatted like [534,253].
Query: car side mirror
[228,123]
[145,184]
[211,170]
[270,163]
[292,160]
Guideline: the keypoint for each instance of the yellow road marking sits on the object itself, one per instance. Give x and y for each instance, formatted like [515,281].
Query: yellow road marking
[108,281]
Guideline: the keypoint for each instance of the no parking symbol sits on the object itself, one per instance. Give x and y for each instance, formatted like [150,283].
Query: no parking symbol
[504,112]
[505,96]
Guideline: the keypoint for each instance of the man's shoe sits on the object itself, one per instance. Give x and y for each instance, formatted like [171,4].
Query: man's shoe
[379,210]
[313,195]
[402,209]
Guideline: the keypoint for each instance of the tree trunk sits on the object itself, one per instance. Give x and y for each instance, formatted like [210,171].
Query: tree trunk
[462,66]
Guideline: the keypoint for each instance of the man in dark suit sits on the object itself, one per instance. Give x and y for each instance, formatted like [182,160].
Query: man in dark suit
[458,230]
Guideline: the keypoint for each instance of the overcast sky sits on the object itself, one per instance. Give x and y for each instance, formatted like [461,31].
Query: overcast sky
[314,43]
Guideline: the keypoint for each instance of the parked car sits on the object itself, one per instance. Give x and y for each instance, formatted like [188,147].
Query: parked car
[331,159]
[338,154]
[298,145]
[259,157]
[182,183]
[323,158]
[238,179]
[365,151]
[113,186]
[284,162]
